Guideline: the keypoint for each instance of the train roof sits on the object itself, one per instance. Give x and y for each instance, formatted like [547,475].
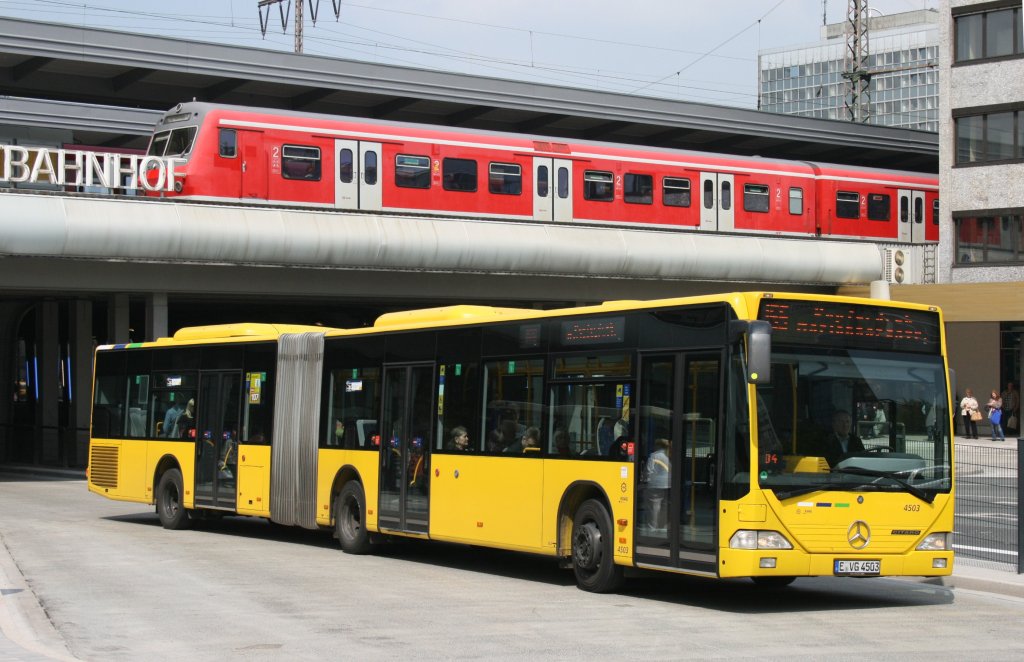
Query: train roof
[202,108]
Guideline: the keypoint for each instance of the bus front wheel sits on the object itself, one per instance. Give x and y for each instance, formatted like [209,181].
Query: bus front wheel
[592,552]
[350,519]
[169,507]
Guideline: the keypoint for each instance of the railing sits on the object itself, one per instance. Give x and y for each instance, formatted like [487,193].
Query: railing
[989,501]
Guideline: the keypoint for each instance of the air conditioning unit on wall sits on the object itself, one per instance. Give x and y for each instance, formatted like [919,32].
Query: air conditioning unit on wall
[898,266]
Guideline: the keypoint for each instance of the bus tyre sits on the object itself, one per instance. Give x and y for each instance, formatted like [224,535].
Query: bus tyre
[592,552]
[350,519]
[169,506]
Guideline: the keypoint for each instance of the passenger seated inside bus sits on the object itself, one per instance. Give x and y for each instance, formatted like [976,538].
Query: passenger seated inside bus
[531,440]
[562,447]
[458,440]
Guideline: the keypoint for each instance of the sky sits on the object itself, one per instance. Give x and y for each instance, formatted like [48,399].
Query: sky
[693,50]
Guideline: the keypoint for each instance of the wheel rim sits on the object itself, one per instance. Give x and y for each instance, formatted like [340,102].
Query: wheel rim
[587,547]
[171,500]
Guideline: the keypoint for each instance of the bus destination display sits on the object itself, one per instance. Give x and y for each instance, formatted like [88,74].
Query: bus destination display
[851,325]
[594,331]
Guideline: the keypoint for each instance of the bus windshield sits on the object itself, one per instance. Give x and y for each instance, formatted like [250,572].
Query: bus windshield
[844,419]
[177,142]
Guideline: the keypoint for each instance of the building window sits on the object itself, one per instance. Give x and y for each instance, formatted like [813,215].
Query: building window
[988,34]
[989,239]
[598,185]
[459,175]
[990,137]
[639,189]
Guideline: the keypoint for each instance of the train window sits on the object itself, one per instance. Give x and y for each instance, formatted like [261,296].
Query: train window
[505,178]
[639,189]
[345,166]
[370,168]
[675,192]
[563,183]
[878,207]
[598,185]
[542,181]
[299,162]
[935,212]
[228,141]
[412,171]
[755,197]
[918,210]
[726,195]
[796,200]
[847,204]
[173,143]
[904,209]
[459,175]
[709,193]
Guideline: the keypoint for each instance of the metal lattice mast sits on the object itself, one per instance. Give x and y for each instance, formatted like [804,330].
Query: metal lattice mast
[855,64]
[314,6]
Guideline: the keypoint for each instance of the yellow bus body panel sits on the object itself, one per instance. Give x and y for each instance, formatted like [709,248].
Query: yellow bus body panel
[254,480]
[819,524]
[330,463]
[135,462]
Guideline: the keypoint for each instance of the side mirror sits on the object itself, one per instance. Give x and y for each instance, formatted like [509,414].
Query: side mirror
[759,352]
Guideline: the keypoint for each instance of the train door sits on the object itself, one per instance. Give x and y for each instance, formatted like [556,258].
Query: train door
[217,439]
[254,165]
[912,216]
[405,441]
[552,191]
[716,201]
[357,182]
[680,398]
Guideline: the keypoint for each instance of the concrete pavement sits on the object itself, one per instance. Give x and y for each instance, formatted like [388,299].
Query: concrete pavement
[26,632]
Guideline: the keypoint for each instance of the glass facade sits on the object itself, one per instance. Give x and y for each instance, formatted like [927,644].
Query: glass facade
[903,91]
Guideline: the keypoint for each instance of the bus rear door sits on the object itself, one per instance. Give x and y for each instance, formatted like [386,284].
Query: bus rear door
[716,202]
[357,181]
[404,450]
[217,426]
[677,510]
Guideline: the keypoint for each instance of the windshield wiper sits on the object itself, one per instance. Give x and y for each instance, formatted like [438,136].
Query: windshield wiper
[797,491]
[860,471]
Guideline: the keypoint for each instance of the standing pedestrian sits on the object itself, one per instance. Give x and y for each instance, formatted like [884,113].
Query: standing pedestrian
[969,412]
[995,415]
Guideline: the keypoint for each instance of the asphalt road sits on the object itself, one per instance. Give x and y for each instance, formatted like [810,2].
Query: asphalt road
[116,586]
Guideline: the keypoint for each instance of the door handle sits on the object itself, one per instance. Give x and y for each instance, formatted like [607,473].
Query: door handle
[243,166]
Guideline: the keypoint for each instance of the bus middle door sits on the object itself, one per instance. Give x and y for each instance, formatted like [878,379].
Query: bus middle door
[217,427]
[406,425]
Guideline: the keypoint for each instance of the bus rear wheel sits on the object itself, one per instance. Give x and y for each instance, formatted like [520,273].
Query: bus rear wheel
[350,519]
[593,560]
[169,507]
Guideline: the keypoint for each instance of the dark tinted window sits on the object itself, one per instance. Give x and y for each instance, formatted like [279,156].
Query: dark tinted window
[638,189]
[412,171]
[847,205]
[598,185]
[459,175]
[755,197]
[675,192]
[299,162]
[879,207]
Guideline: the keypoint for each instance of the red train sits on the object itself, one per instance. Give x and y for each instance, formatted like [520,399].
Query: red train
[288,158]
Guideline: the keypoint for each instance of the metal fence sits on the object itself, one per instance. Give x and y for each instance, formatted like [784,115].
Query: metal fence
[989,500]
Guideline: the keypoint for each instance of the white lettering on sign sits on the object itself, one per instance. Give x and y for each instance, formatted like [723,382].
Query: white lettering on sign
[61,167]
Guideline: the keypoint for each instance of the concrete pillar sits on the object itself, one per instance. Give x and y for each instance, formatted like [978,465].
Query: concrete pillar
[156,315]
[118,319]
[81,356]
[47,446]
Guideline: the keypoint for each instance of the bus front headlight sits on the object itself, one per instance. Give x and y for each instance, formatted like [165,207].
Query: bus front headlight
[752,539]
[935,542]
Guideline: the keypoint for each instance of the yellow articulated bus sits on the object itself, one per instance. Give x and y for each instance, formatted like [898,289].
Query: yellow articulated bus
[760,435]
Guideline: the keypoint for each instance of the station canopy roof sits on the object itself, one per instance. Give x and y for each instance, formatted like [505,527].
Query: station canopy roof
[110,86]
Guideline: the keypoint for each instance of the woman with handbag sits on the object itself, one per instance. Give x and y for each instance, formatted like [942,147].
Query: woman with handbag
[971,415]
[995,415]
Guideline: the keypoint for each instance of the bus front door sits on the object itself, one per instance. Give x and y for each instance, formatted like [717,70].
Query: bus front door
[404,449]
[217,439]
[678,431]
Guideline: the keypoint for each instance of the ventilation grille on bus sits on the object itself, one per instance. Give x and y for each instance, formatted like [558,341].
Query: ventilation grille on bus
[103,466]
